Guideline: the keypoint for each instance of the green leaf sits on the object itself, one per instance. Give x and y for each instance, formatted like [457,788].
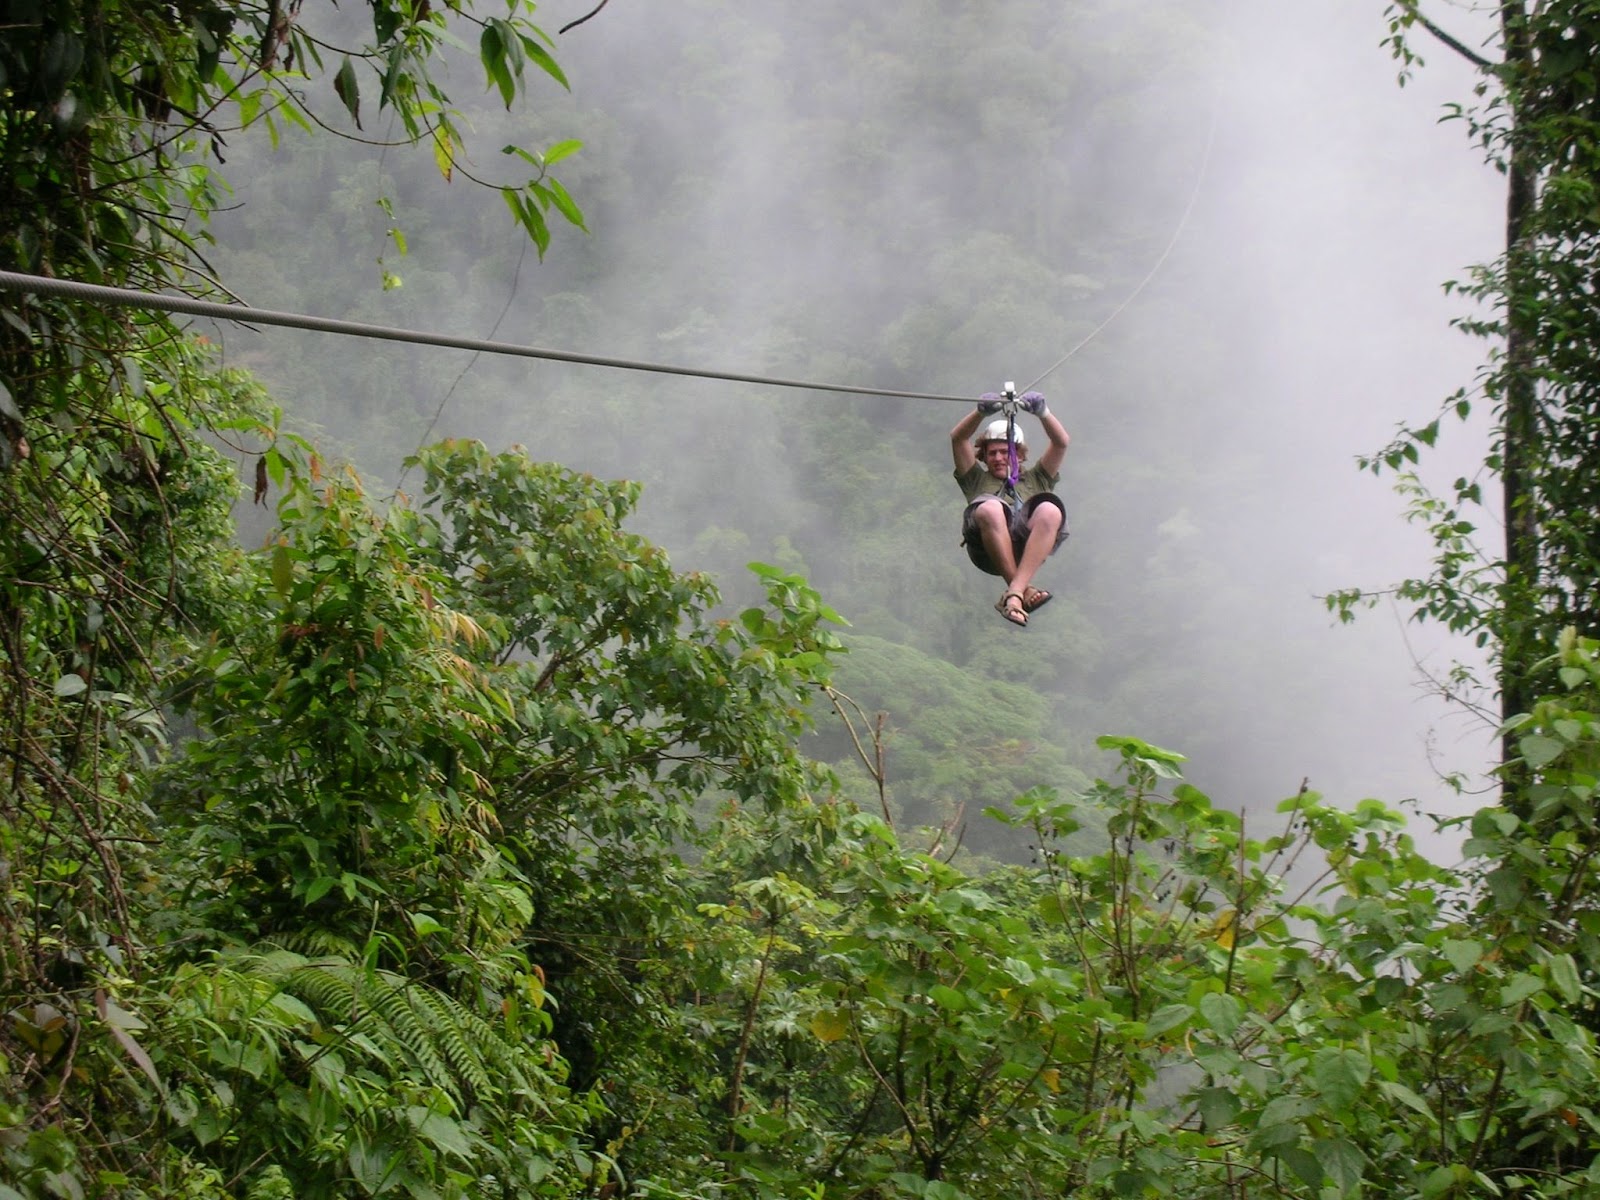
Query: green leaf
[1563,972]
[533,221]
[1406,1096]
[829,1025]
[1442,1179]
[121,1018]
[348,89]
[1273,1137]
[440,1130]
[292,1007]
[1217,1107]
[1448,997]
[492,52]
[1507,887]
[423,925]
[544,62]
[1342,1160]
[1388,989]
[560,150]
[564,203]
[1287,1110]
[136,1052]
[368,1165]
[949,998]
[282,570]
[1021,971]
[1129,1183]
[1540,751]
[1520,988]
[1340,1075]
[70,685]
[1168,1016]
[1055,907]
[1221,1012]
[1462,954]
[765,1129]
[1304,1164]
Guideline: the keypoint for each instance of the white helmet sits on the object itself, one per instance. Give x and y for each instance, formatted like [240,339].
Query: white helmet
[995,431]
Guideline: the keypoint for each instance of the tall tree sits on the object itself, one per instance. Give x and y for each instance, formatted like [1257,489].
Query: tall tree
[115,559]
[1535,117]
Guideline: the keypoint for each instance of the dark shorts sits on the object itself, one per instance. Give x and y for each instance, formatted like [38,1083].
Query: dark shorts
[972,539]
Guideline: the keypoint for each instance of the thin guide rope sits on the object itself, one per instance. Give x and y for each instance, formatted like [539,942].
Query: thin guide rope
[1183,221]
[516,278]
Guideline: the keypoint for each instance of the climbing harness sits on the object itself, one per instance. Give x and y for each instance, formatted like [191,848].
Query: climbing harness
[1009,404]
[1013,463]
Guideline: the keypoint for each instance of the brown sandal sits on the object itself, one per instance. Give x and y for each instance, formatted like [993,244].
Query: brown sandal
[1033,599]
[1017,614]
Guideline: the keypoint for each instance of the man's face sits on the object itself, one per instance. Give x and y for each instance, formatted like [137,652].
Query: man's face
[997,460]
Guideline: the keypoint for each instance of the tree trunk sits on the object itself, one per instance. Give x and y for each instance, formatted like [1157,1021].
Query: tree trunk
[1518,430]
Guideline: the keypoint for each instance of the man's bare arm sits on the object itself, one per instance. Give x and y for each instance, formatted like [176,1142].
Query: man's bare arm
[961,442]
[1050,460]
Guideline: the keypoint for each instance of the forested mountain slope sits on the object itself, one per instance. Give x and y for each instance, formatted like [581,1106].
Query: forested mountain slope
[394,817]
[921,201]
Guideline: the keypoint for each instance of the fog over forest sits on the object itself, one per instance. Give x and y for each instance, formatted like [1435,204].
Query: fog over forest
[940,197]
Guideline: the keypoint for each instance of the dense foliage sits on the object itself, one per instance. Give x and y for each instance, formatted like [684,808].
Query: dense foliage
[705,135]
[461,846]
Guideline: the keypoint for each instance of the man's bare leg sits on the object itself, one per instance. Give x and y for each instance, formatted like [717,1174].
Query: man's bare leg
[1043,526]
[994,525]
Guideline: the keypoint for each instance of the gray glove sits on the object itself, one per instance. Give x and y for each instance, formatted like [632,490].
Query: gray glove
[988,403]
[1033,402]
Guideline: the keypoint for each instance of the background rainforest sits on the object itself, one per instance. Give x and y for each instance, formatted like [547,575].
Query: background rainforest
[939,200]
[422,828]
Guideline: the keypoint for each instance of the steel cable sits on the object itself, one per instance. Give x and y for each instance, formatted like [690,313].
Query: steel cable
[244,314]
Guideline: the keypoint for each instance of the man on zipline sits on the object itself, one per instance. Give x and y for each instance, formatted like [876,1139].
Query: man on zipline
[1013,520]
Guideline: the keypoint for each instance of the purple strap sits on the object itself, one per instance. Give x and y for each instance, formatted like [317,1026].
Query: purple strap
[1013,474]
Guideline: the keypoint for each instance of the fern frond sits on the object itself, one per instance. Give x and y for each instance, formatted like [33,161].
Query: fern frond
[397,1027]
[402,1023]
[318,943]
[463,1045]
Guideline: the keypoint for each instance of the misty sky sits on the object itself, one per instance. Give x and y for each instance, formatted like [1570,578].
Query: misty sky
[1306,283]
[1339,206]
[1334,205]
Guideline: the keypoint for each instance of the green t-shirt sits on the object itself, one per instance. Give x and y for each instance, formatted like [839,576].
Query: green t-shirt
[976,481]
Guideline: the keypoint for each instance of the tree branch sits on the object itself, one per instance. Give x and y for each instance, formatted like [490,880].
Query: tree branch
[1461,48]
[591,13]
